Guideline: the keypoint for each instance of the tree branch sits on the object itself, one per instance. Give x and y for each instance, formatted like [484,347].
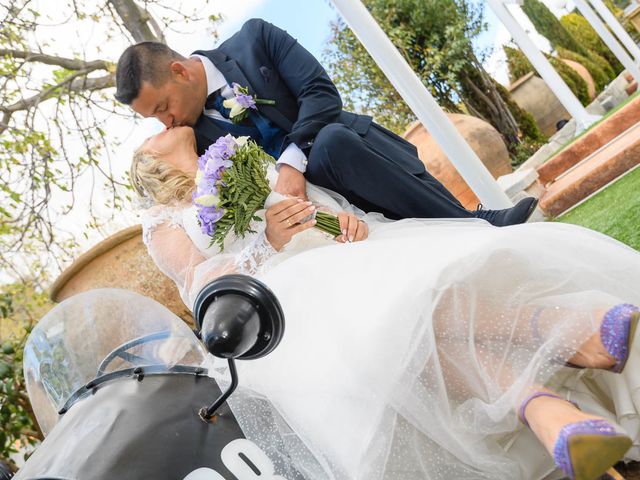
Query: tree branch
[74,83]
[135,20]
[68,63]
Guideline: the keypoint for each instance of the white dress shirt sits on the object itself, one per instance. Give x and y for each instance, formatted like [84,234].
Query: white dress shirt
[292,155]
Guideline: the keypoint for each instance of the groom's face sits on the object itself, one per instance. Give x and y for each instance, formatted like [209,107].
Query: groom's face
[177,102]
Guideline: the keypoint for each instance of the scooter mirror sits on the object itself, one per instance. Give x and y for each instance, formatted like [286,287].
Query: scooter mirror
[238,317]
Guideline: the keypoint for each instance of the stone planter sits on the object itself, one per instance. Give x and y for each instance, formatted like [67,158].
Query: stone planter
[532,94]
[485,140]
[120,261]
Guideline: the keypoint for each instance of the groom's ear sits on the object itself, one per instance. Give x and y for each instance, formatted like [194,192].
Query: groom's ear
[179,71]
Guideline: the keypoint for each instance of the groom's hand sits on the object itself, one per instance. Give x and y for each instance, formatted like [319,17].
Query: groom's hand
[291,182]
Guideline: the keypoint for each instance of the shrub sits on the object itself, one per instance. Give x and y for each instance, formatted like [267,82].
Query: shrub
[600,78]
[580,29]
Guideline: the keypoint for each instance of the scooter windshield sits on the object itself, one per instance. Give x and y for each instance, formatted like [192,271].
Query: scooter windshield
[96,333]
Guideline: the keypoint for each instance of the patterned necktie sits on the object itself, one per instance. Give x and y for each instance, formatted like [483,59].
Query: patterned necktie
[215,102]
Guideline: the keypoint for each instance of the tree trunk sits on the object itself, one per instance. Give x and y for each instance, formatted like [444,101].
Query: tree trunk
[480,95]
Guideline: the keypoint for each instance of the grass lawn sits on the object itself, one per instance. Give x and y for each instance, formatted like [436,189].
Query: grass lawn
[614,211]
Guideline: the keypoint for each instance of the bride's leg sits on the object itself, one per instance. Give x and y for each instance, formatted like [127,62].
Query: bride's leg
[533,325]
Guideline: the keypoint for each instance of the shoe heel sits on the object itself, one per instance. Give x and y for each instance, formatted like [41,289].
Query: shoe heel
[621,352]
[633,326]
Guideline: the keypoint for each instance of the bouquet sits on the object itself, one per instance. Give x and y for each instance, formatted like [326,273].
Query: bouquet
[232,185]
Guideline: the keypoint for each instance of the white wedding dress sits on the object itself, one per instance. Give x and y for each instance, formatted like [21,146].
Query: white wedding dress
[405,354]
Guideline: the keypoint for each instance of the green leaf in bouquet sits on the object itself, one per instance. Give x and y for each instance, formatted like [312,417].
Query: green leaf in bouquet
[244,191]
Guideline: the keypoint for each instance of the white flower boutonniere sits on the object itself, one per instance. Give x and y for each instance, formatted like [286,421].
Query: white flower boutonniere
[242,102]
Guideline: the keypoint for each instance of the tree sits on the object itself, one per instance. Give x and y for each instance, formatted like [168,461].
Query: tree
[435,37]
[53,108]
[550,27]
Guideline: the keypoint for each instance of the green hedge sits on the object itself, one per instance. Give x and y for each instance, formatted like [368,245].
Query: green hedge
[550,27]
[582,31]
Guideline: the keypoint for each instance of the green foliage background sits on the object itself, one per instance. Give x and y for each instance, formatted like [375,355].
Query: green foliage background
[436,38]
[550,27]
[519,66]
[21,306]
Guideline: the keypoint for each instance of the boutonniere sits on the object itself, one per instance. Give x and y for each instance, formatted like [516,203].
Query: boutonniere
[242,102]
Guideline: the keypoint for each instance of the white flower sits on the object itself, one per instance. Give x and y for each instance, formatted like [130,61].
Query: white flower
[234,105]
[242,141]
[199,176]
[207,200]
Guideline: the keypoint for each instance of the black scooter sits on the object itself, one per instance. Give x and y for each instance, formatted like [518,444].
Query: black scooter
[123,389]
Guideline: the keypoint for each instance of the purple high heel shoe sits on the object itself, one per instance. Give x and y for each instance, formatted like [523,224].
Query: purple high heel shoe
[584,450]
[617,331]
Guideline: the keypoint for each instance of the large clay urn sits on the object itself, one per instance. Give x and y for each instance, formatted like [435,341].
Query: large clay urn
[532,94]
[584,74]
[483,139]
[120,261]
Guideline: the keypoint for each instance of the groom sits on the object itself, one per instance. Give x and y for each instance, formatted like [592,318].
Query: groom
[305,128]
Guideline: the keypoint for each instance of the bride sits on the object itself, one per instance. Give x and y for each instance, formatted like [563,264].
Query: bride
[424,348]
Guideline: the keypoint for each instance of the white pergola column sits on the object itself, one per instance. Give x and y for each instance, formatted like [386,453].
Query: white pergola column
[608,38]
[423,105]
[610,19]
[553,80]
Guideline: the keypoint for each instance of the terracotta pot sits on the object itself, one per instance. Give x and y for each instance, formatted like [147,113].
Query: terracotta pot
[120,261]
[584,74]
[485,140]
[532,94]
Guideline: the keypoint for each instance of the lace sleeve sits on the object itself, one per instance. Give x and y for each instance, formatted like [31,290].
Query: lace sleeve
[176,255]
[254,255]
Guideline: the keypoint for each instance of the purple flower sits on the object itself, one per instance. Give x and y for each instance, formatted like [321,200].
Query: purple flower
[215,167]
[208,217]
[224,148]
[246,101]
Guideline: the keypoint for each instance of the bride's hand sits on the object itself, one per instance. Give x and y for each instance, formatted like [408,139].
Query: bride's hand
[353,230]
[283,221]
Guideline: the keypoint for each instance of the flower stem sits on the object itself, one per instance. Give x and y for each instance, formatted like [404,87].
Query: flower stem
[328,223]
[263,101]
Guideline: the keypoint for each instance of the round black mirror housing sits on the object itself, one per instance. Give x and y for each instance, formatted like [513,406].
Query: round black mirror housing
[238,317]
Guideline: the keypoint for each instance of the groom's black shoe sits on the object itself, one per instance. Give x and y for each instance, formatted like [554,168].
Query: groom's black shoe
[519,213]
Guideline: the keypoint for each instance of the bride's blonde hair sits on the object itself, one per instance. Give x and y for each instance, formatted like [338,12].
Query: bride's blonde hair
[164,184]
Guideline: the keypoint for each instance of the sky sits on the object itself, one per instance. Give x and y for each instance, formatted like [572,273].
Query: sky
[307,20]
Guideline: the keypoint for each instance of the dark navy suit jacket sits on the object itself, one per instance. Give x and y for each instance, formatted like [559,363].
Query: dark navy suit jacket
[274,66]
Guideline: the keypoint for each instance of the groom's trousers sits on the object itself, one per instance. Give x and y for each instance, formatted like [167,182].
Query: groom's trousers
[379,172]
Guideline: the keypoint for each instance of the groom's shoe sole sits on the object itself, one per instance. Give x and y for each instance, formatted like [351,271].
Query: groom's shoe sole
[532,208]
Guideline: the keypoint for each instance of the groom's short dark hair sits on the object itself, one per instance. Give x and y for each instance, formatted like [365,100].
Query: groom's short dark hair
[143,62]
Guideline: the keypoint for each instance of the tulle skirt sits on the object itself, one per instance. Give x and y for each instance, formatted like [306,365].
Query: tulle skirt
[404,356]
